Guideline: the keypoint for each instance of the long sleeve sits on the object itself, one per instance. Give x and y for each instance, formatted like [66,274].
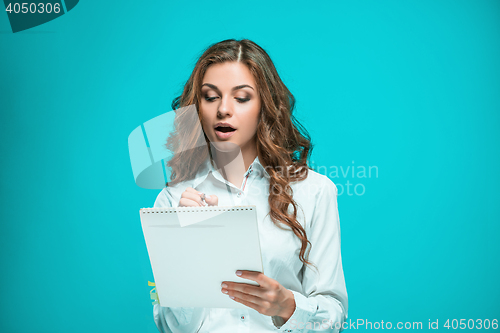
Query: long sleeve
[324,301]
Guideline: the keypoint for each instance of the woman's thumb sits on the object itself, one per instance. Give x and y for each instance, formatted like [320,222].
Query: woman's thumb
[212,200]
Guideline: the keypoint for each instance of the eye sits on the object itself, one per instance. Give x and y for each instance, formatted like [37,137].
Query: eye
[210,99]
[242,100]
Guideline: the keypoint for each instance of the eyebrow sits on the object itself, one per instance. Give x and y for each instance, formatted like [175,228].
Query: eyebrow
[233,89]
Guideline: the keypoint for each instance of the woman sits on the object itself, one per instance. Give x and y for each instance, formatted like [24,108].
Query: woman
[258,155]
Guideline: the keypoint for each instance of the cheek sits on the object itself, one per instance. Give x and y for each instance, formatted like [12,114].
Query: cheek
[251,121]
[255,119]
[205,124]
[206,114]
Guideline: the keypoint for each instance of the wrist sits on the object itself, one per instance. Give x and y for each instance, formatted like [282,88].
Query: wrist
[289,308]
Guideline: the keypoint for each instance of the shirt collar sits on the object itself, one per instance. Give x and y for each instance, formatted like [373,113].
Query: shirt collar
[206,168]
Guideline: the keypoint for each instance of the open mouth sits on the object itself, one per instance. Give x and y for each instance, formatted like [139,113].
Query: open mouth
[224,129]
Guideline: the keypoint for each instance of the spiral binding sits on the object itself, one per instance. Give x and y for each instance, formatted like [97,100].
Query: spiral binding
[168,210]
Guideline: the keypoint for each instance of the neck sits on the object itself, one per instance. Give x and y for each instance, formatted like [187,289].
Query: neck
[234,161]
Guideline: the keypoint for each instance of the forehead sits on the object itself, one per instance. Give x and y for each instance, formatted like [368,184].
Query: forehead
[228,75]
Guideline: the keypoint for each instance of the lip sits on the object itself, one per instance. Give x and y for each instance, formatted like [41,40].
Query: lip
[224,135]
[224,124]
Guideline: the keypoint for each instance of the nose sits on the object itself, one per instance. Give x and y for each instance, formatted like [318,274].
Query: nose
[225,108]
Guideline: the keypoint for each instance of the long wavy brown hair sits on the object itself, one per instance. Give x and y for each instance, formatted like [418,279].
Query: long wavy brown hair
[283,144]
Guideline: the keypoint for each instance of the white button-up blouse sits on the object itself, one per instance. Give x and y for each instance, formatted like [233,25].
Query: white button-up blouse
[321,299]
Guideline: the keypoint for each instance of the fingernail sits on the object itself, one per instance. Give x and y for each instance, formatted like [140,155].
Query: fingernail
[208,197]
[231,297]
[224,285]
[238,273]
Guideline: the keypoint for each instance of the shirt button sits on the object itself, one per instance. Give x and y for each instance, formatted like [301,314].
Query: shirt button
[242,318]
[239,194]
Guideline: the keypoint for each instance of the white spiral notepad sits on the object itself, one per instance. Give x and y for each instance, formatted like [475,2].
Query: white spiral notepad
[193,249]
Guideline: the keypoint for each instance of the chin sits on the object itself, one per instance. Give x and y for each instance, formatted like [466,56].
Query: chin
[225,146]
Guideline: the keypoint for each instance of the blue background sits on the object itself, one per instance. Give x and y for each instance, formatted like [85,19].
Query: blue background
[411,87]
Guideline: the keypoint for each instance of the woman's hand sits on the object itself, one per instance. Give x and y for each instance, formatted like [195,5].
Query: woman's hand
[270,298]
[191,197]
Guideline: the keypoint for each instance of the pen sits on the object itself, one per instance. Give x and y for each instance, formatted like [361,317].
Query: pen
[203,199]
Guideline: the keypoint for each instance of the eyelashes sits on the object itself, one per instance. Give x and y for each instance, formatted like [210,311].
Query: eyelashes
[240,100]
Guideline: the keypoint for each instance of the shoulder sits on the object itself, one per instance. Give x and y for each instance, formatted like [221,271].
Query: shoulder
[163,199]
[316,184]
[317,196]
